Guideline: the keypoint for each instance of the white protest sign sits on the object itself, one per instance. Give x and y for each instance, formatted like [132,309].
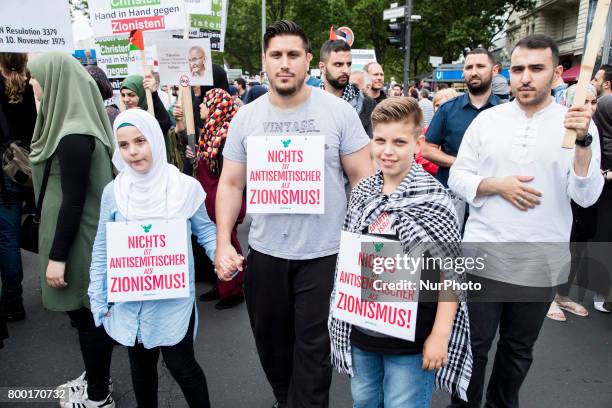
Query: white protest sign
[184,62]
[115,59]
[35,26]
[361,58]
[147,260]
[362,300]
[211,25]
[285,174]
[198,6]
[112,17]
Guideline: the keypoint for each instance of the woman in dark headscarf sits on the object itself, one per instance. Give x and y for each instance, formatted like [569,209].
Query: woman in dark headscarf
[133,95]
[106,90]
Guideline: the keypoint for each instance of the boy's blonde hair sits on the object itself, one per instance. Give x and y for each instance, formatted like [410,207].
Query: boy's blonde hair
[402,109]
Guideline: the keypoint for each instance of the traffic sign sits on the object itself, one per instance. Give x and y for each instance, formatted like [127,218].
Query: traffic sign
[435,61]
[397,12]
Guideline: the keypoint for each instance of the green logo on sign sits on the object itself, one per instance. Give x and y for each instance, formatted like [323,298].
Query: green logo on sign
[378,246]
[147,228]
[286,143]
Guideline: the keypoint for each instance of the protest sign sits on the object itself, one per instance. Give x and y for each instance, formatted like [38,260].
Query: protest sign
[285,174]
[361,58]
[364,296]
[112,17]
[36,26]
[198,6]
[211,25]
[147,260]
[115,57]
[184,61]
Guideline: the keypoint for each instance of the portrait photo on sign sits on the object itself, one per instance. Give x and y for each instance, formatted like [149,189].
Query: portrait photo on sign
[181,59]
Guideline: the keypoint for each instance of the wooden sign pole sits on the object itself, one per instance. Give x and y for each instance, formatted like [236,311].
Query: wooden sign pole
[188,101]
[147,71]
[588,62]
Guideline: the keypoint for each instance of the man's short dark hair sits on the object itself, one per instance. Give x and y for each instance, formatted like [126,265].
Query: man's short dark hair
[539,42]
[607,69]
[480,51]
[333,46]
[241,82]
[398,85]
[285,27]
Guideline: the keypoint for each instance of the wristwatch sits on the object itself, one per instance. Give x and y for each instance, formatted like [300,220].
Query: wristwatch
[586,141]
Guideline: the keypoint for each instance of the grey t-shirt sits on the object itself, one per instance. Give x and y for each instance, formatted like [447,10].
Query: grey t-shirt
[301,236]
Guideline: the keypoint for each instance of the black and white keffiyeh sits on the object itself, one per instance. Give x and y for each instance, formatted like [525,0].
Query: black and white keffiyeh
[349,93]
[423,213]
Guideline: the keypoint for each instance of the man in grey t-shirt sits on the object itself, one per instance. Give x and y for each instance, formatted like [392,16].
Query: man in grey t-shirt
[292,257]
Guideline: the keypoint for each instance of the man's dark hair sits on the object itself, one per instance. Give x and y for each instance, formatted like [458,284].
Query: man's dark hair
[477,51]
[285,27]
[333,46]
[399,85]
[241,82]
[539,42]
[607,69]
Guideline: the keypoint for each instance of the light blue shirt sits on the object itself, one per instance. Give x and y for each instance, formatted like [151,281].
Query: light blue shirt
[154,322]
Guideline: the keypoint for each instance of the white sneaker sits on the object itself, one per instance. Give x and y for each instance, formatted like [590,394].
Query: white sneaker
[598,302]
[108,402]
[82,401]
[75,392]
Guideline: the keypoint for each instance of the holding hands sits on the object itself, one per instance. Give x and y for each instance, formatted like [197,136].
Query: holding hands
[227,262]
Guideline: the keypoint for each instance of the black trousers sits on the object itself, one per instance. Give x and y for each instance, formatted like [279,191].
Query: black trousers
[181,362]
[97,350]
[519,326]
[288,305]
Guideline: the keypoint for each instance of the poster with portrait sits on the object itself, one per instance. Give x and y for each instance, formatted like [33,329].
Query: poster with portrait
[184,62]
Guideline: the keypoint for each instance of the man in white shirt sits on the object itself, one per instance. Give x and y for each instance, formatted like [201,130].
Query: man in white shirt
[519,181]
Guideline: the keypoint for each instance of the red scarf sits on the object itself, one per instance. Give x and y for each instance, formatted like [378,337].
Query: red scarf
[221,109]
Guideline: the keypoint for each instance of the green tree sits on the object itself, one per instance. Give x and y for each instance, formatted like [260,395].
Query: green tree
[446,28]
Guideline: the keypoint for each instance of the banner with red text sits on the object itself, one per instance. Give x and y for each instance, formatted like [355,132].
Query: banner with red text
[147,260]
[113,17]
[366,289]
[285,174]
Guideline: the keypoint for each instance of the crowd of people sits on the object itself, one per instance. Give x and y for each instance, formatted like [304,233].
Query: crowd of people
[484,166]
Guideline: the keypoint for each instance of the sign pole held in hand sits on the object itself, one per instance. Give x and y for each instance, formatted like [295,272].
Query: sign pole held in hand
[136,42]
[187,100]
[588,62]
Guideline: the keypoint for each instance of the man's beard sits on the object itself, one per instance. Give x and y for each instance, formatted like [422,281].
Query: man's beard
[334,82]
[480,89]
[289,91]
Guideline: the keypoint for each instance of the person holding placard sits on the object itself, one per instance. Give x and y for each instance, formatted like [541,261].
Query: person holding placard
[142,287]
[217,111]
[387,369]
[71,164]
[133,96]
[307,135]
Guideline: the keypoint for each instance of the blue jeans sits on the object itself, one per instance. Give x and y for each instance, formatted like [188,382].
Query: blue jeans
[390,381]
[11,269]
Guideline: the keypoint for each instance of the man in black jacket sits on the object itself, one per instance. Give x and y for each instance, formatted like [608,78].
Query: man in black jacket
[335,66]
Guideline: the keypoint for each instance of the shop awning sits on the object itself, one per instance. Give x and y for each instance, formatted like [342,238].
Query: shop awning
[571,75]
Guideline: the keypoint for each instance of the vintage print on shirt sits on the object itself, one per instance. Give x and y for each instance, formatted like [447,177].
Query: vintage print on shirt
[285,174]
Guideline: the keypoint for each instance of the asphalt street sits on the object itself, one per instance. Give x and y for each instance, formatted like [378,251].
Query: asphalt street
[572,364]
